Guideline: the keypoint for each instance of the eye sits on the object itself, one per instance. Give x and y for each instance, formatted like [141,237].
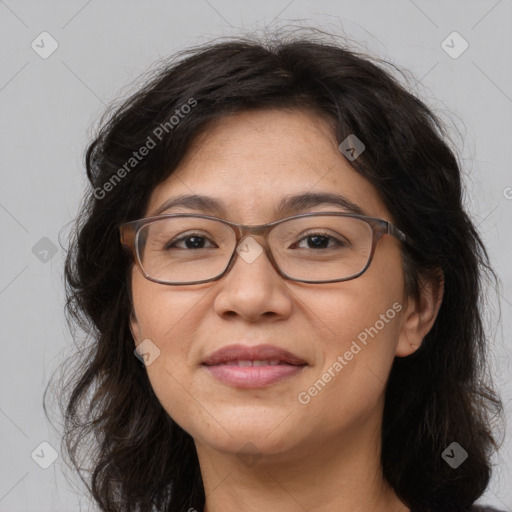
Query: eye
[320,239]
[192,241]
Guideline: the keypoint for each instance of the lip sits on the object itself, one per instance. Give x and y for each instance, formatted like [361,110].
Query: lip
[252,376]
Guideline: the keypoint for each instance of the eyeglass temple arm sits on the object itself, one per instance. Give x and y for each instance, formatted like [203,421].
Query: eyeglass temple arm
[127,235]
[393,230]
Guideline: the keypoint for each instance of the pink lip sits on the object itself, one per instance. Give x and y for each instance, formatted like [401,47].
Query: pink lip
[252,376]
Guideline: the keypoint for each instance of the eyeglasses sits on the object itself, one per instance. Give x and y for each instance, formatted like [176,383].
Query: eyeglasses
[180,249]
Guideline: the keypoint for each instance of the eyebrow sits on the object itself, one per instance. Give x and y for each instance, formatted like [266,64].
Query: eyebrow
[287,205]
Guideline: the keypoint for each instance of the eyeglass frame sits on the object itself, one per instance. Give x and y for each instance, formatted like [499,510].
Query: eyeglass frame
[129,232]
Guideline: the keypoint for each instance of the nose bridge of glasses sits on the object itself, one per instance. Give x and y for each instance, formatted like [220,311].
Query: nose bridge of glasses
[259,233]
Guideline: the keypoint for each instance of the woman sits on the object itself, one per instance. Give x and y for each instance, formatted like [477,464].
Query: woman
[282,290]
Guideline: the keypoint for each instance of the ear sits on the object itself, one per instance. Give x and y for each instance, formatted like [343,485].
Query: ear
[420,314]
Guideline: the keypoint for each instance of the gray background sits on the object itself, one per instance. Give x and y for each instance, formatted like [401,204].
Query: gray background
[48,107]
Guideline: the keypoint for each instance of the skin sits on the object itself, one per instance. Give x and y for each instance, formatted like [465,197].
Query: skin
[321,456]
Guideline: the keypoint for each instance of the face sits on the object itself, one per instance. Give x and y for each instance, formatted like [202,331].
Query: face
[249,162]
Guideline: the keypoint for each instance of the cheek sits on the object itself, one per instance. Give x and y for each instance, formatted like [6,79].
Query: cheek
[358,327]
[364,308]
[170,318]
[162,310]
[347,388]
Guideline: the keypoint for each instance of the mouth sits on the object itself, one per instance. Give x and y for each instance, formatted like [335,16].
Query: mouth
[243,366]
[256,362]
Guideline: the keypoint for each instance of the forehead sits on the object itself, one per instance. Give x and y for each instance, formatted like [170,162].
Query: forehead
[251,160]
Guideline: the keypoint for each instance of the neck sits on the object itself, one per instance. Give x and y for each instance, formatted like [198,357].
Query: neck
[340,475]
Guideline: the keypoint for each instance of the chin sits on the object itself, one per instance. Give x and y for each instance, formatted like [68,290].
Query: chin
[267,436]
[244,445]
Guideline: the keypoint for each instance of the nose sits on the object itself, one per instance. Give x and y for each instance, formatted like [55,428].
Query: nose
[252,287]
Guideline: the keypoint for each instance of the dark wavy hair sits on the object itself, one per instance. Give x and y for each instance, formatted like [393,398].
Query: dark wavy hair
[139,458]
